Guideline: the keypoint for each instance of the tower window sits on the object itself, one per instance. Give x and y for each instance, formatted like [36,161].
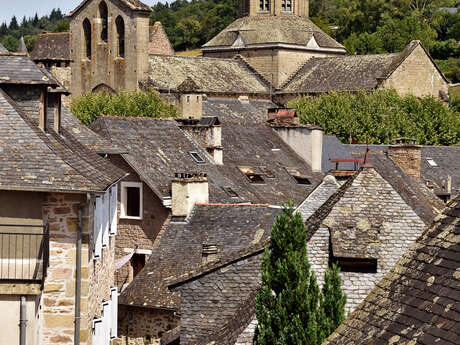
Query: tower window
[104,15]
[286,5]
[120,23]
[264,5]
[87,34]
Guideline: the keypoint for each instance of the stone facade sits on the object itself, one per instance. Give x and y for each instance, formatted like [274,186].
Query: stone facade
[143,326]
[64,76]
[408,157]
[417,75]
[108,64]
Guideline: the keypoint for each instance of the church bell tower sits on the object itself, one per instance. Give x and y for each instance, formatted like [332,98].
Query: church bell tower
[273,7]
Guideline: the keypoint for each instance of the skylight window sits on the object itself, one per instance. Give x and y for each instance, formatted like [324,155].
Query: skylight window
[196,157]
[267,172]
[298,176]
[253,175]
[432,162]
[230,192]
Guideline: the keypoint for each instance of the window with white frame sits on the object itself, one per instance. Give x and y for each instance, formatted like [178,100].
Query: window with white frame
[286,5]
[264,5]
[131,200]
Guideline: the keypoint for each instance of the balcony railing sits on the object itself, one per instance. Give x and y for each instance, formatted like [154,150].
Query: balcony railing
[24,252]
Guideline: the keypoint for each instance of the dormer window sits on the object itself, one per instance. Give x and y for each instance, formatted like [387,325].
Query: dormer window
[286,5]
[104,15]
[264,5]
[253,175]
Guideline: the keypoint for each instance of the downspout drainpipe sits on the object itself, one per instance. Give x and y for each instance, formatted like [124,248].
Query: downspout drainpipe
[78,275]
[23,321]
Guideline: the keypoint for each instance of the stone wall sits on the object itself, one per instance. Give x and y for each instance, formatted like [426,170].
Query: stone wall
[408,157]
[58,298]
[133,232]
[299,8]
[106,66]
[417,75]
[158,41]
[64,76]
[143,326]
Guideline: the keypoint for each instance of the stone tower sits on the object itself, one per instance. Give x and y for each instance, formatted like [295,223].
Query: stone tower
[109,46]
[275,37]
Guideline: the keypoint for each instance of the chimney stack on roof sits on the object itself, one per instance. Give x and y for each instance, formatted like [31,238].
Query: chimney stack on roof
[407,155]
[187,190]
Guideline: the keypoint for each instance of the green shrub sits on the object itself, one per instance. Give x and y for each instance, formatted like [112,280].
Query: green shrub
[383,115]
[135,103]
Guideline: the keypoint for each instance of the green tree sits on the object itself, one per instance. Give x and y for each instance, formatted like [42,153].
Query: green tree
[11,43]
[14,24]
[148,103]
[287,304]
[333,301]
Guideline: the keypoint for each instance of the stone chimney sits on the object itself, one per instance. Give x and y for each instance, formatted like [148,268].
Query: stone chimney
[191,106]
[187,190]
[208,133]
[305,140]
[407,155]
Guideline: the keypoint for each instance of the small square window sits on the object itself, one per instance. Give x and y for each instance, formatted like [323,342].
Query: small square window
[197,158]
[432,162]
[131,200]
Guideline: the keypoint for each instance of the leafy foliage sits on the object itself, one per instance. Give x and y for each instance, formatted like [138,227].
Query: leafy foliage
[190,24]
[136,103]
[30,28]
[288,304]
[383,115]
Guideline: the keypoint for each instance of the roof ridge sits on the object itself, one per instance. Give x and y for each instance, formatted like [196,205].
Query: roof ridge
[294,74]
[234,205]
[137,117]
[252,69]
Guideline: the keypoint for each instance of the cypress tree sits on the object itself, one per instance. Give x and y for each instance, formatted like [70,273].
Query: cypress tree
[287,306]
[333,301]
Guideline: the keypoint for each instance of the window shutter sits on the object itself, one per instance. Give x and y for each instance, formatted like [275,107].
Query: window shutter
[98,228]
[105,219]
[106,321]
[113,210]
[97,332]
[114,306]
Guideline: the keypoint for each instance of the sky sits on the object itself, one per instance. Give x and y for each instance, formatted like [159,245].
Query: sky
[28,8]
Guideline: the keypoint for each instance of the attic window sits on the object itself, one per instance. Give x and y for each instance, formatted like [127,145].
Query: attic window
[432,162]
[253,175]
[230,192]
[267,172]
[297,175]
[197,158]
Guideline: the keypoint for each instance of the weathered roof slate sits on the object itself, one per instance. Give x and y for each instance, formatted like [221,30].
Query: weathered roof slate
[134,5]
[52,46]
[235,110]
[33,160]
[208,74]
[178,249]
[257,30]
[418,301]
[16,68]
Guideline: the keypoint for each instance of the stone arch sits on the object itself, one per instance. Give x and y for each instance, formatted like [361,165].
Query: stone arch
[103,88]
[120,25]
[104,16]
[87,44]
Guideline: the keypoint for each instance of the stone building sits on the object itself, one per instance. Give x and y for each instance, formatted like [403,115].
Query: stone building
[57,215]
[417,302]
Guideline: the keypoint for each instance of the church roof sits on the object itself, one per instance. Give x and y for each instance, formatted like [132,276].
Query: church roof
[134,5]
[208,74]
[269,30]
[52,46]
[418,301]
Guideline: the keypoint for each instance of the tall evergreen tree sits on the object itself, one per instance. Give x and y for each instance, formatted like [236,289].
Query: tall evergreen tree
[287,304]
[14,24]
[333,301]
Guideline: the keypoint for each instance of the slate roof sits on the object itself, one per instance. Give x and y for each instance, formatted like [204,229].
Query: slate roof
[257,30]
[209,75]
[235,110]
[52,46]
[159,148]
[348,73]
[178,248]
[134,5]
[17,68]
[418,301]
[3,49]
[33,160]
